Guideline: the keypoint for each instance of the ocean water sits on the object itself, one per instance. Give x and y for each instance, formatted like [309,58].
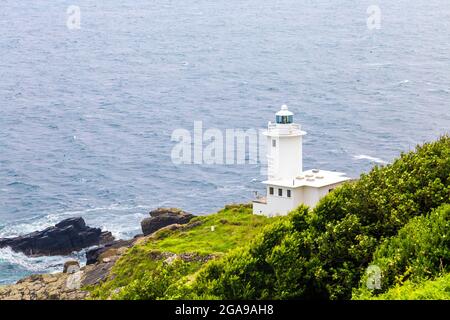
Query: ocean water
[86,115]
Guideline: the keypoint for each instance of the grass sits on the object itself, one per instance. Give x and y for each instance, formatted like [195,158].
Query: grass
[233,225]
[214,234]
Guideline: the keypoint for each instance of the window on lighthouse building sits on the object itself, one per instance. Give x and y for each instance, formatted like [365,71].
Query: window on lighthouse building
[288,193]
[280,192]
[271,190]
[274,143]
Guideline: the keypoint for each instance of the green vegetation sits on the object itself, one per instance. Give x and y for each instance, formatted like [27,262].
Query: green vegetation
[143,273]
[419,252]
[322,254]
[233,225]
[438,289]
[389,217]
[269,268]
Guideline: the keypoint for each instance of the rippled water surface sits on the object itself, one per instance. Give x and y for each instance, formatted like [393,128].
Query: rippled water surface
[86,115]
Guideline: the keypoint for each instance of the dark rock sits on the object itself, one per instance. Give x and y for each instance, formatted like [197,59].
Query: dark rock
[169,257]
[106,237]
[64,238]
[163,217]
[96,274]
[71,266]
[71,222]
[32,278]
[92,255]
[192,225]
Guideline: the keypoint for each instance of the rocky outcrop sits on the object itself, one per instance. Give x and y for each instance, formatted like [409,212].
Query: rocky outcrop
[68,285]
[64,238]
[60,286]
[170,257]
[163,217]
[71,266]
[71,284]
[73,234]
[97,254]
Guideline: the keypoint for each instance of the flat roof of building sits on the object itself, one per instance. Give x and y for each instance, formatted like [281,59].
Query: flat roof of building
[312,178]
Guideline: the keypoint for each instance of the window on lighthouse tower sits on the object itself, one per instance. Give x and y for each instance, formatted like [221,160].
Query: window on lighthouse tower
[284,119]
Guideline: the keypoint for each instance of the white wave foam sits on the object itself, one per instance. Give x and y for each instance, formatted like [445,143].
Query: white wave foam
[38,264]
[226,189]
[372,159]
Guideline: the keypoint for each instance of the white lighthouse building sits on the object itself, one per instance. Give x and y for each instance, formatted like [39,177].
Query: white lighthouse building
[287,184]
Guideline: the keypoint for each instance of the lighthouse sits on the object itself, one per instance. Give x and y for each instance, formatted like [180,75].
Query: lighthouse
[287,185]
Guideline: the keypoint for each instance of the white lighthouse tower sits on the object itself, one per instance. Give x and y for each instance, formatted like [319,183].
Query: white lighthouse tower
[284,146]
[288,185]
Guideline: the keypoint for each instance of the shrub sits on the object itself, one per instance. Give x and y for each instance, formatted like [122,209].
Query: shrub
[437,289]
[420,251]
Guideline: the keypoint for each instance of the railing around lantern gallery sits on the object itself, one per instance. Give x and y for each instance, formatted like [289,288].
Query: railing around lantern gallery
[283,128]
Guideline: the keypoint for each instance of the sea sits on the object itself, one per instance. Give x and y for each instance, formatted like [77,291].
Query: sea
[91,93]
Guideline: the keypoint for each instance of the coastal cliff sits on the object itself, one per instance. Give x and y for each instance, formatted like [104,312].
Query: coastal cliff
[393,221]
[177,237]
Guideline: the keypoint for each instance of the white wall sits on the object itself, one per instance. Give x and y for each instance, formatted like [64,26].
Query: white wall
[277,205]
[286,155]
[259,208]
[313,195]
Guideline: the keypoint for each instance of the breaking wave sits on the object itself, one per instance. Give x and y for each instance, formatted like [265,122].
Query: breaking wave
[370,158]
[38,264]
